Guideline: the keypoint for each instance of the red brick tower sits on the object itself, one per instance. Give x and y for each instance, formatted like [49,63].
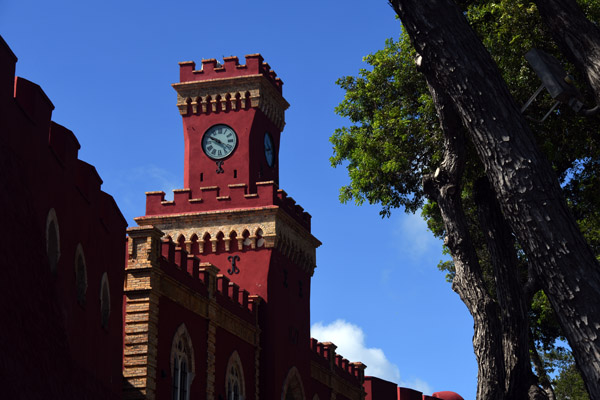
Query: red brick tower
[244,106]
[232,213]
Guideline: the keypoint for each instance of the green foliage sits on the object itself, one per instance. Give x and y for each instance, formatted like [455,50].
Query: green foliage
[394,137]
[544,324]
[394,140]
[557,359]
[583,194]
[568,385]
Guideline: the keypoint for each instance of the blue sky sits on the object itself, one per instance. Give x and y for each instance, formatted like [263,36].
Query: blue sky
[108,66]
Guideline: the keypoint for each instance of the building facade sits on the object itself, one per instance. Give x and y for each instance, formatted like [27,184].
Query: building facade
[207,298]
[63,253]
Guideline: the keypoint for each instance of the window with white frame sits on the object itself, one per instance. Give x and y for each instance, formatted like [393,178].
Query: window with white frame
[182,364]
[234,380]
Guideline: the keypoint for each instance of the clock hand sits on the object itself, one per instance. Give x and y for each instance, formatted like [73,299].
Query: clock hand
[216,140]
[224,146]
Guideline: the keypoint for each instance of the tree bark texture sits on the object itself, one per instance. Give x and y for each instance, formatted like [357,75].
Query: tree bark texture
[444,188]
[527,190]
[577,37]
[520,382]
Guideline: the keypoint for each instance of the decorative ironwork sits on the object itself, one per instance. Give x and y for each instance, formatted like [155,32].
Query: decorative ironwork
[220,170]
[234,268]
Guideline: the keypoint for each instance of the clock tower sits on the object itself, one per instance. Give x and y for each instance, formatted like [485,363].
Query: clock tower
[233,116]
[232,213]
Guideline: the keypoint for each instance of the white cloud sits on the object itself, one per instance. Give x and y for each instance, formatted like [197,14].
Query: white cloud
[416,239]
[350,342]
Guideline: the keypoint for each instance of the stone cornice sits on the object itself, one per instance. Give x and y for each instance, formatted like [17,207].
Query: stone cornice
[279,230]
[212,95]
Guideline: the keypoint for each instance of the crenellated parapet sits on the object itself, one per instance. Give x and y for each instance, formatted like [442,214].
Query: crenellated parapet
[380,389]
[206,279]
[42,141]
[326,355]
[63,254]
[231,87]
[340,375]
[267,195]
[264,226]
[230,68]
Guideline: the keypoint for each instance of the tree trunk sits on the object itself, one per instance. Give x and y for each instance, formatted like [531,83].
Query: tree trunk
[444,188]
[577,37]
[527,190]
[520,383]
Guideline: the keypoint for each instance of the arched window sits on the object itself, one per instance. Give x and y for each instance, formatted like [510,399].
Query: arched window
[182,364]
[207,245]
[247,241]
[292,386]
[80,275]
[233,243]
[220,242]
[234,381]
[260,241]
[181,242]
[52,240]
[104,301]
[194,247]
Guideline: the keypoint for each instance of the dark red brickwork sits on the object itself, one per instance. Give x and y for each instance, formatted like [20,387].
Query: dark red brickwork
[51,345]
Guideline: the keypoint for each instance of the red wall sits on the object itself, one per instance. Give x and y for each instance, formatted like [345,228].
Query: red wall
[247,160]
[50,344]
[171,316]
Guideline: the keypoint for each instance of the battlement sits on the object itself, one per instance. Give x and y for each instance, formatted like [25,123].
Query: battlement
[324,353]
[205,279]
[71,233]
[230,68]
[63,144]
[231,87]
[7,71]
[49,150]
[267,195]
[379,389]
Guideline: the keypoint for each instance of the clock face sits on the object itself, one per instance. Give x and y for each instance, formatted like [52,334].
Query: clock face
[219,142]
[269,150]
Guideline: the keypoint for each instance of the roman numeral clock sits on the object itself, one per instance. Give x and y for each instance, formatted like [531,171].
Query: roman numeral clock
[219,142]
